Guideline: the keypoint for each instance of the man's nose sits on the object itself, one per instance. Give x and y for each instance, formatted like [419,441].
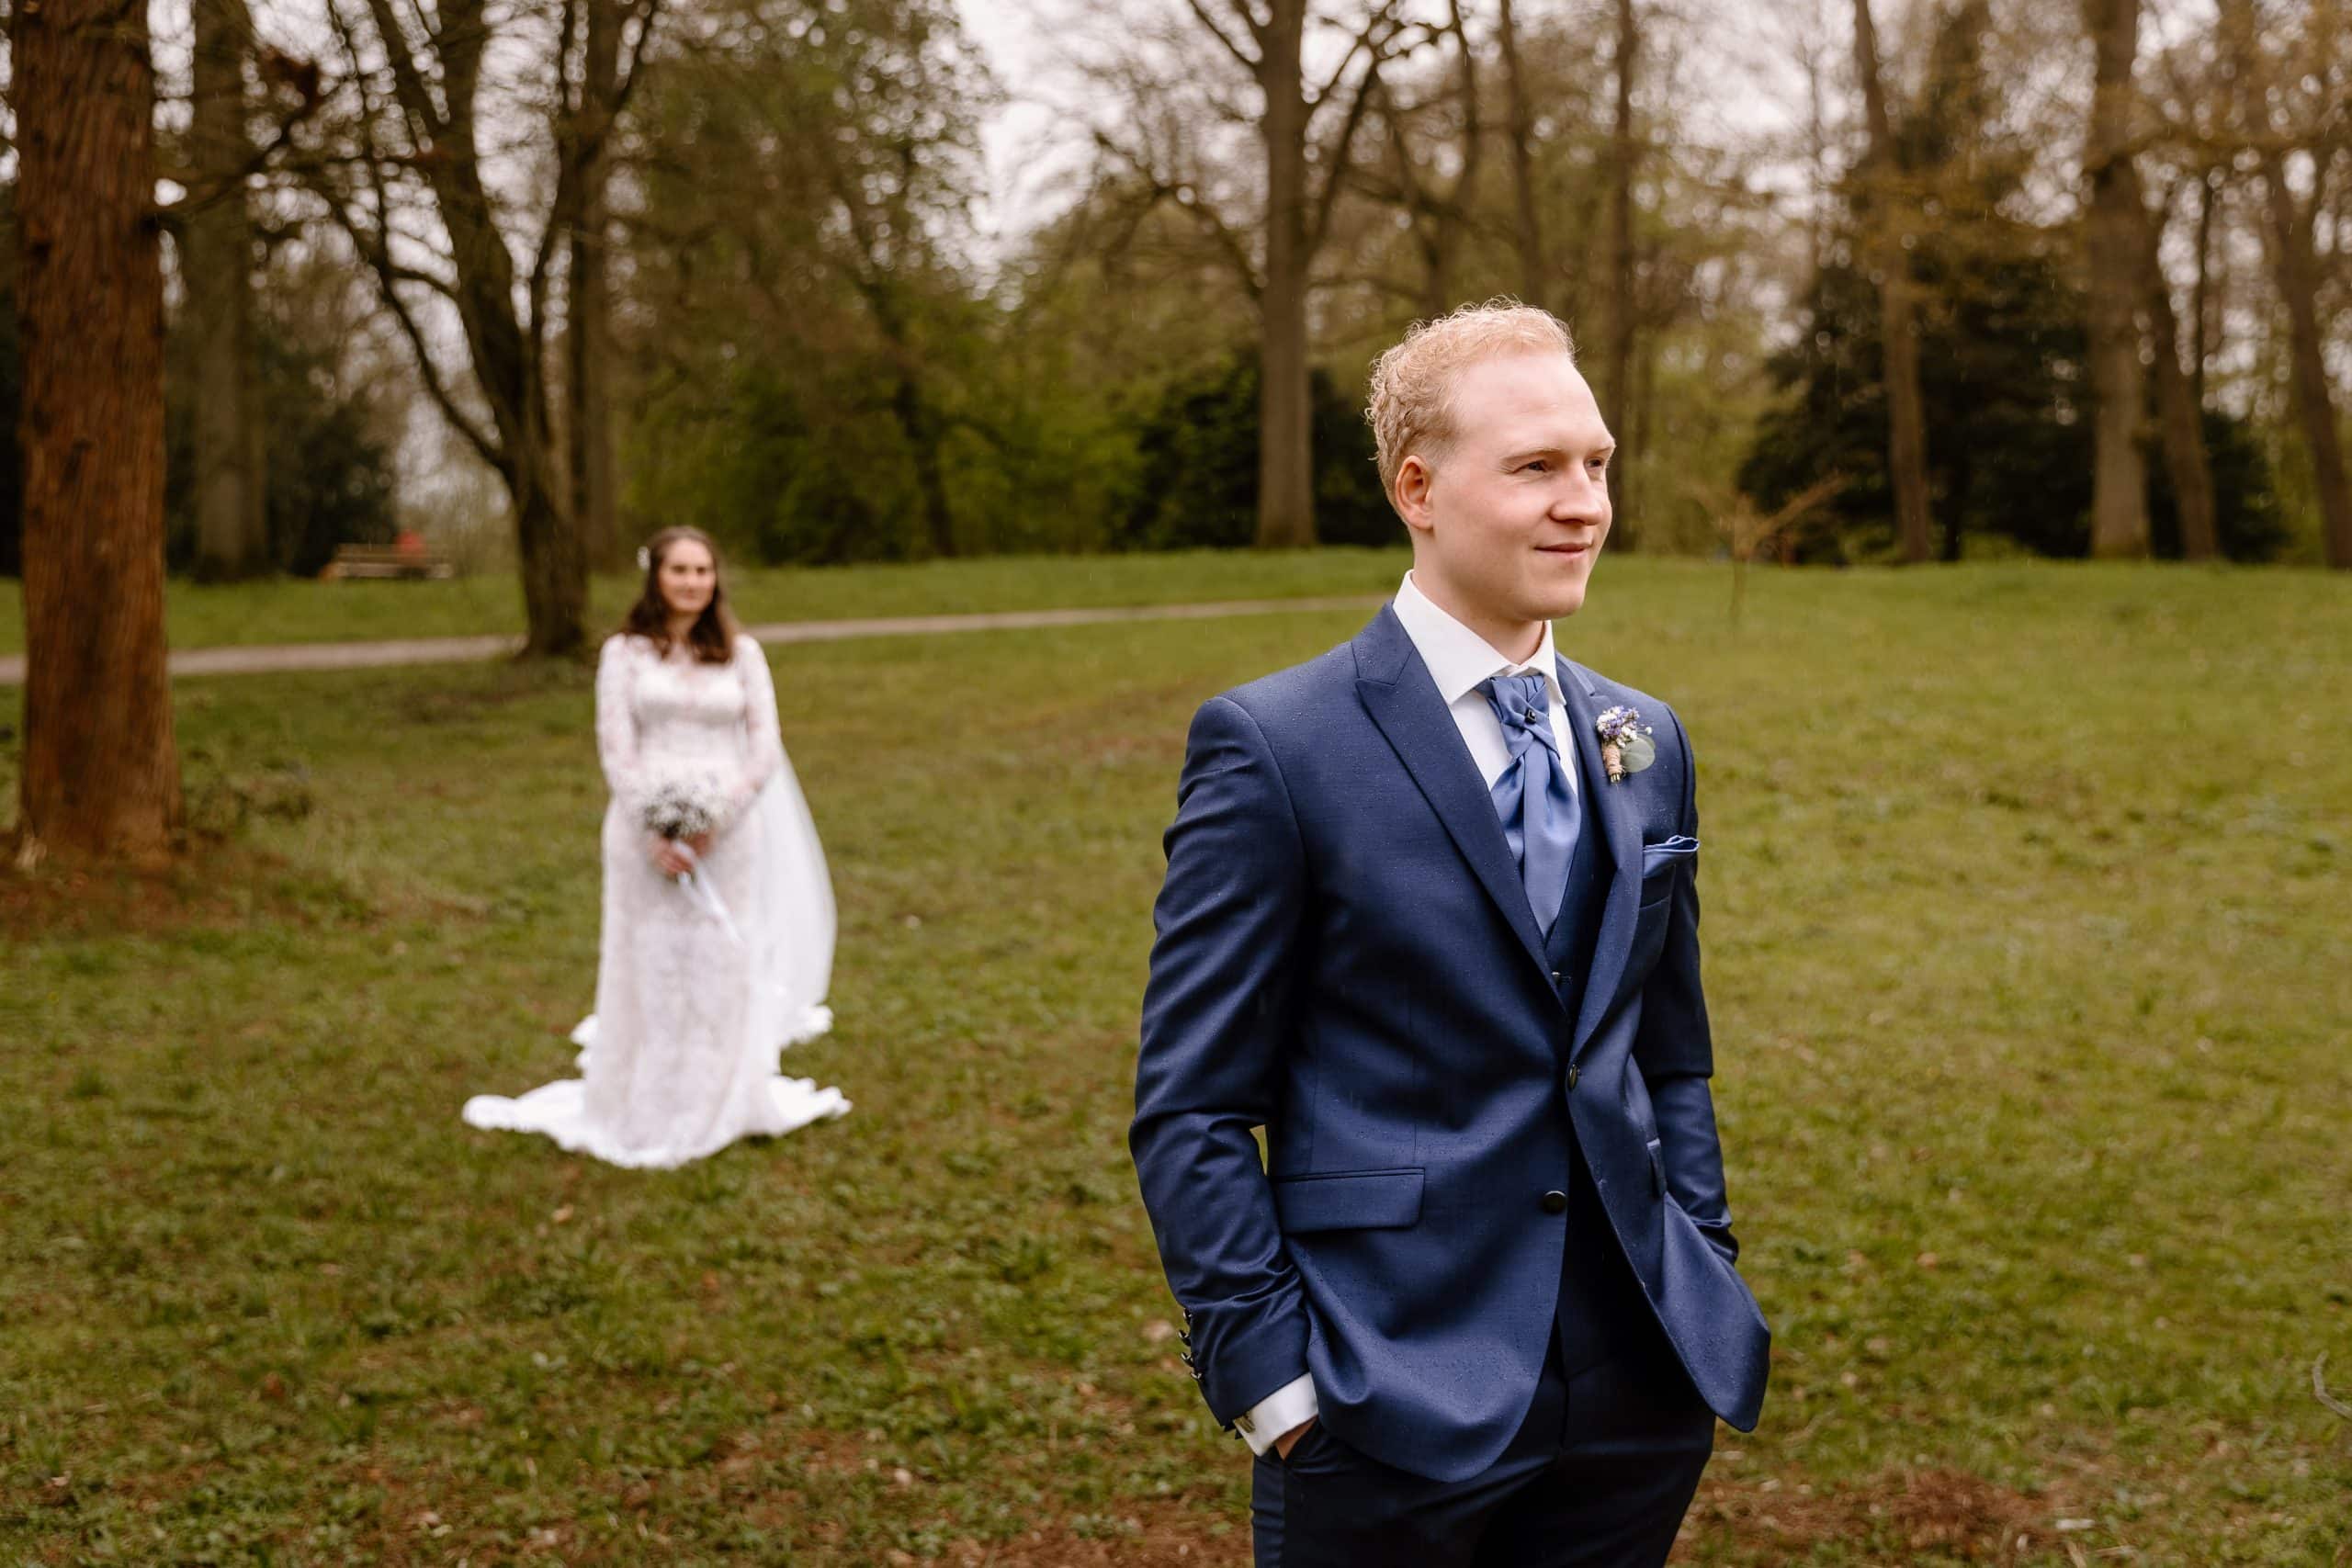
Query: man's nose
[1585,499]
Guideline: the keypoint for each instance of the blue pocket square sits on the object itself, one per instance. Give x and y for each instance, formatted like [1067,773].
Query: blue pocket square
[1676,848]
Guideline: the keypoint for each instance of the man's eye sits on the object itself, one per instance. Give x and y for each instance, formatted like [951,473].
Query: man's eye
[1536,467]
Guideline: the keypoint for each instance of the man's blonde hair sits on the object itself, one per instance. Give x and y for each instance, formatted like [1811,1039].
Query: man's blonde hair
[1411,407]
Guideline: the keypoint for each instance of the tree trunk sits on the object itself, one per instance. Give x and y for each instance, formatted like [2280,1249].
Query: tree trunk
[2295,268]
[1527,227]
[2113,234]
[1907,413]
[588,337]
[1616,387]
[100,776]
[2200,304]
[555,569]
[1285,454]
[2289,236]
[1631,465]
[215,265]
[2178,412]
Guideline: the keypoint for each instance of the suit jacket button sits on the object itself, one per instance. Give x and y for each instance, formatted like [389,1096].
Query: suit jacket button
[1556,1202]
[1556,978]
[1573,1074]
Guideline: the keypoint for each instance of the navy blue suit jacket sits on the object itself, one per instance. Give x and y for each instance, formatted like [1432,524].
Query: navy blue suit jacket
[1345,957]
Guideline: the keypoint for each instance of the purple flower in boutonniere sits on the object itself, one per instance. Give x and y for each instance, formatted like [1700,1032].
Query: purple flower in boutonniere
[1625,745]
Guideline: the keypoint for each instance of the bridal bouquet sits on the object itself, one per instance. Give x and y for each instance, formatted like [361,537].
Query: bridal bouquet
[683,808]
[686,808]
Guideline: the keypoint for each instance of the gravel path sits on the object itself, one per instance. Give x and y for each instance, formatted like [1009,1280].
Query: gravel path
[270,660]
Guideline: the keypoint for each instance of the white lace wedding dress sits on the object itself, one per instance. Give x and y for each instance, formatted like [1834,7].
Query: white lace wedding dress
[679,1059]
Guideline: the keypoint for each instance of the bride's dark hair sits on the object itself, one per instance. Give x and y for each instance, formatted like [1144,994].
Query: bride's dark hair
[712,637]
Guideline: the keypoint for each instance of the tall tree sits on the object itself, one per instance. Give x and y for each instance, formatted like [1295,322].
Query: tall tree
[414,142]
[1304,169]
[1623,162]
[1883,221]
[2178,407]
[2114,232]
[216,252]
[100,774]
[2290,240]
[1527,223]
[588,330]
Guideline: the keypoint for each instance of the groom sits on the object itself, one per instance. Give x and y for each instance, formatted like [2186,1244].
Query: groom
[1430,921]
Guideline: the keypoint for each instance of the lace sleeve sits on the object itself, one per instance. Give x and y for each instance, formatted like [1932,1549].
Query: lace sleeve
[762,741]
[616,718]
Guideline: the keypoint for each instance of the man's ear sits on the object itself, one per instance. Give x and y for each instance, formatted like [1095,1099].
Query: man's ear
[1410,494]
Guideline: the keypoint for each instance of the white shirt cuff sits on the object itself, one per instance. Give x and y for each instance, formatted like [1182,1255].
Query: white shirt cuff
[1293,1405]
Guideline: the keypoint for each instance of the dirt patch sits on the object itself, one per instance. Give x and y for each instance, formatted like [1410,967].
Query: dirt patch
[1911,1515]
[216,886]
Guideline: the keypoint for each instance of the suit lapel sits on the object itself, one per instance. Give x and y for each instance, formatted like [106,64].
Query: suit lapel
[1615,809]
[1397,691]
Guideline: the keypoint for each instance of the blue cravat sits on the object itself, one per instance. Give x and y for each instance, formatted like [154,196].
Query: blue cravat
[1532,795]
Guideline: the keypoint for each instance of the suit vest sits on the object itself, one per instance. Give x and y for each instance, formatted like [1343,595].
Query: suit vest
[1600,1299]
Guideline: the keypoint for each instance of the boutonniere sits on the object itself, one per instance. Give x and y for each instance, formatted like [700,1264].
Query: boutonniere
[1625,745]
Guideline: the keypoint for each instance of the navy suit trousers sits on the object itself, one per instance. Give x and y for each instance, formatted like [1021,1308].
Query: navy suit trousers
[1600,1476]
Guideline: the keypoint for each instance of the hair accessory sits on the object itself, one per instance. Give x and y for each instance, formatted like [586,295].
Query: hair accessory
[644,559]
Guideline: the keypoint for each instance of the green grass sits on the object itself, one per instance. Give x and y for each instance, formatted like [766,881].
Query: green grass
[292,610]
[2026,944]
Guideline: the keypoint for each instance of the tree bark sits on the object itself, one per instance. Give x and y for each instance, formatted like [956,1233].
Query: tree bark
[1629,471]
[2180,416]
[2290,241]
[2295,268]
[1527,226]
[2113,233]
[1616,389]
[100,774]
[2199,302]
[553,571]
[215,265]
[1907,413]
[589,335]
[1285,451]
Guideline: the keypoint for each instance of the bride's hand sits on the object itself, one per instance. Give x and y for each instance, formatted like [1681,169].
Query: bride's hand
[700,845]
[667,858]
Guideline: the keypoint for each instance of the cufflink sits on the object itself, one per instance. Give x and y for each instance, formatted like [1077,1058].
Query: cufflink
[1243,1423]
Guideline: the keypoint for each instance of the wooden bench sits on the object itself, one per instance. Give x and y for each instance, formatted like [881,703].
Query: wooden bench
[355,563]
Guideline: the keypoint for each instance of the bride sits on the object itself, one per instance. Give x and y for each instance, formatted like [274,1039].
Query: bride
[717,941]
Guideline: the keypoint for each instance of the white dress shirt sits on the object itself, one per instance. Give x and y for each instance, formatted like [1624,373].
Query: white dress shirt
[1458,659]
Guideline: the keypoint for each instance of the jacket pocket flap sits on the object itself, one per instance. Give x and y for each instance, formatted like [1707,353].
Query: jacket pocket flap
[1348,1200]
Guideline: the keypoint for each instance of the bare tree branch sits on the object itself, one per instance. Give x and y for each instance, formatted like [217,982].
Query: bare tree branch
[1249,62]
[1159,187]
[1340,154]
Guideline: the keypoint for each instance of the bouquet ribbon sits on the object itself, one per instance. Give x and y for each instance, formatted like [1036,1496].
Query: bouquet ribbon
[709,897]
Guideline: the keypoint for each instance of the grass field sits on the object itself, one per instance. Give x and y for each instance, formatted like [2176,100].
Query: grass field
[290,609]
[2026,943]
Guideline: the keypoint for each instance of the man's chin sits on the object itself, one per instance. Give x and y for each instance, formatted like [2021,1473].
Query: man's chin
[1558,602]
